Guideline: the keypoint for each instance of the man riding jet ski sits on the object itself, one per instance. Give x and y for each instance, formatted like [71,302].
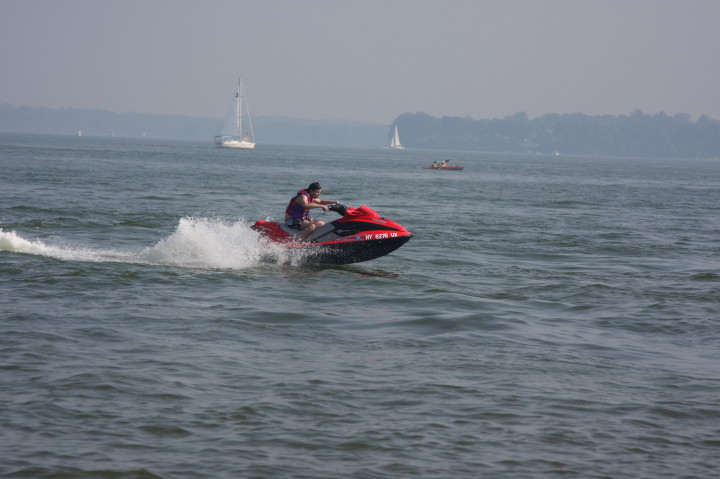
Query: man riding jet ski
[359,235]
[297,213]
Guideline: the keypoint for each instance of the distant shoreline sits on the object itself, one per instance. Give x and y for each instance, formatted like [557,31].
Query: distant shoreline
[634,135]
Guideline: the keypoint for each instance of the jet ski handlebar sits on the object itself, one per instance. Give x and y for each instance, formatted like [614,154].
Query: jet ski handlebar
[338,208]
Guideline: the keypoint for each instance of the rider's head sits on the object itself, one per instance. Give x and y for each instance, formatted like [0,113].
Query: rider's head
[315,186]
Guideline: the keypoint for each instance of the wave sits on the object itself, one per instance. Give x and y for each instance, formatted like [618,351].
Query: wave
[213,243]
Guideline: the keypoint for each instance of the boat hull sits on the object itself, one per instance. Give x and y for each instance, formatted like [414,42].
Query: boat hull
[240,144]
[443,168]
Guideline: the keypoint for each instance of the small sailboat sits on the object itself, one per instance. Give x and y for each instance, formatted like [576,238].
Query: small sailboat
[395,143]
[232,135]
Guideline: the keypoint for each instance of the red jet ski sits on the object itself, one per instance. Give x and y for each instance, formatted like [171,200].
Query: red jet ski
[360,235]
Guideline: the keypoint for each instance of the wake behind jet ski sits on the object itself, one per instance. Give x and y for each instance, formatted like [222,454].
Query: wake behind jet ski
[361,234]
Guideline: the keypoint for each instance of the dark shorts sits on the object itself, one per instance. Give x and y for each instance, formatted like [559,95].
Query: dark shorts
[293,223]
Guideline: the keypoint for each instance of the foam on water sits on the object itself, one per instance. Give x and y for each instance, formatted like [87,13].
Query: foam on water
[11,241]
[196,243]
[215,243]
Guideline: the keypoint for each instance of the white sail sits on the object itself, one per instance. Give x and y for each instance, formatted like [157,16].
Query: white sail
[233,121]
[395,143]
[232,134]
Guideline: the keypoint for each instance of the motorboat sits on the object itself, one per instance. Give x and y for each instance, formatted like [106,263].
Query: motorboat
[442,167]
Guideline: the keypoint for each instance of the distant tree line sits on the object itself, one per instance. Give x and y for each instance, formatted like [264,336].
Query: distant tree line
[634,135]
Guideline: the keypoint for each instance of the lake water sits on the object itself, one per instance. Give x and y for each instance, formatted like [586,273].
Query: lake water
[552,317]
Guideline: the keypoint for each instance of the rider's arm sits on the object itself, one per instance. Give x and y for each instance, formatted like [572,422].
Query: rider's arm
[304,203]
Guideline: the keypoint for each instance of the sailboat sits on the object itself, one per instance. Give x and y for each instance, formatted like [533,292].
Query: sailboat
[395,143]
[232,135]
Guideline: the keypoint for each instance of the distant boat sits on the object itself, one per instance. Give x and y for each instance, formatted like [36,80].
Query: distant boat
[442,166]
[451,167]
[232,135]
[395,143]
[78,133]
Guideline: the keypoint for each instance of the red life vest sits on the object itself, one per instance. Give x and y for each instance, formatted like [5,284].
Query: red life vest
[296,210]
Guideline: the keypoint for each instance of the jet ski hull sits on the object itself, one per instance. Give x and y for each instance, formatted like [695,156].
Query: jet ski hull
[360,235]
[348,252]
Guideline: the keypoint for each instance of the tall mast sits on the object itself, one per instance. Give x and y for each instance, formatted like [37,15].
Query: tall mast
[238,107]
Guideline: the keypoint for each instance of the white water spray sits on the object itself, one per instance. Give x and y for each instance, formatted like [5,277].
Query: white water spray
[196,243]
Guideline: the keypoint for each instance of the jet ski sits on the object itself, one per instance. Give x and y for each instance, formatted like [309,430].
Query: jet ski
[361,234]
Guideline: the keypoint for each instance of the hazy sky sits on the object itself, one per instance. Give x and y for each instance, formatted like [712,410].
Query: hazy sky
[368,60]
